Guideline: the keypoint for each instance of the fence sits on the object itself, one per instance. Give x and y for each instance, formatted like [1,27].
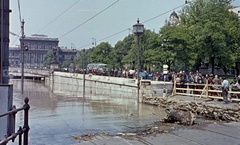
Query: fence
[22,130]
[203,90]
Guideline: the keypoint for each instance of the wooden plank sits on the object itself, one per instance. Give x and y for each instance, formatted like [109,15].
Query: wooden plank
[197,95]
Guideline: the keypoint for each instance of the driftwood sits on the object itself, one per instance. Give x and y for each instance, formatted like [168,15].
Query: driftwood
[179,116]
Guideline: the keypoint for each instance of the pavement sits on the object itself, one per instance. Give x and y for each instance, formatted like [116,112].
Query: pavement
[212,134]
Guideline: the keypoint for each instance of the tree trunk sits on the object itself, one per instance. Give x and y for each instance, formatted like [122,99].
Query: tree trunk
[213,64]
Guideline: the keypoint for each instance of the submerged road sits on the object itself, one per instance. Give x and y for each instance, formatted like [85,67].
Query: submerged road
[212,134]
[55,119]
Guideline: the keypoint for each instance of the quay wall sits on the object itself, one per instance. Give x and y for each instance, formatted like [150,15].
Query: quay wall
[71,84]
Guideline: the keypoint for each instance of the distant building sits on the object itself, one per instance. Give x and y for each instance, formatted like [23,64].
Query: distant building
[173,19]
[38,46]
[66,54]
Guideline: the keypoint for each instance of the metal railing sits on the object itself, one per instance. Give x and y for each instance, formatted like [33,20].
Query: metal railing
[22,130]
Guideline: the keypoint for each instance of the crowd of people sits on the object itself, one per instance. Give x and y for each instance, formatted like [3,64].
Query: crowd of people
[193,80]
[197,81]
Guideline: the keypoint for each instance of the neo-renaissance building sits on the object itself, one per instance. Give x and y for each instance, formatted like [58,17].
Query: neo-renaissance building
[38,46]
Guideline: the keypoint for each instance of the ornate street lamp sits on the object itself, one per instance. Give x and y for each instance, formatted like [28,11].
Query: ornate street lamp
[138,29]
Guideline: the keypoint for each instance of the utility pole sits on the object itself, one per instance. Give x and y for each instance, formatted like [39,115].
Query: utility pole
[4,41]
[84,74]
[22,55]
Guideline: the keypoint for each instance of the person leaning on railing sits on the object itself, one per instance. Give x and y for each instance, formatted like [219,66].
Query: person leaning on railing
[225,88]
[178,82]
[216,83]
[191,82]
[235,87]
[182,83]
[200,80]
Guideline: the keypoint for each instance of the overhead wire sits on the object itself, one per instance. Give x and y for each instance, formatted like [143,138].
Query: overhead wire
[163,14]
[58,16]
[106,37]
[131,28]
[89,19]
[20,20]
[15,38]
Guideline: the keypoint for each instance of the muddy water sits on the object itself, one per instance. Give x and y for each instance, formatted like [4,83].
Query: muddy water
[54,119]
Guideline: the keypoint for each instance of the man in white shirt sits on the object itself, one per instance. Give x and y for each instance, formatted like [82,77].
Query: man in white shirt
[225,88]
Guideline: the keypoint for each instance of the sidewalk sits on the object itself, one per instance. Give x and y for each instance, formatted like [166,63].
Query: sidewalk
[213,134]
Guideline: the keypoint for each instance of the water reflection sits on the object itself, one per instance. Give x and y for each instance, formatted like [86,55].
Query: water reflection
[55,118]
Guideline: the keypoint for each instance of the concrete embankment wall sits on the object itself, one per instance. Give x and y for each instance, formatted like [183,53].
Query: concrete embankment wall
[71,84]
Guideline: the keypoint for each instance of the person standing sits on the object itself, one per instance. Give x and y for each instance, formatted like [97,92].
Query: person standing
[225,88]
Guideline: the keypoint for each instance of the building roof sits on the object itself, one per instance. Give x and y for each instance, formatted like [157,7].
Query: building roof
[174,14]
[67,50]
[40,37]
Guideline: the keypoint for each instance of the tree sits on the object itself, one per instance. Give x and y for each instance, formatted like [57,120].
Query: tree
[214,31]
[121,51]
[65,64]
[101,54]
[82,59]
[148,42]
[51,57]
[175,50]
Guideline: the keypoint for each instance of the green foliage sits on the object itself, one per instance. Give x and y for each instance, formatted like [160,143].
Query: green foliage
[121,51]
[208,32]
[65,64]
[175,47]
[213,29]
[101,54]
[51,57]
[83,58]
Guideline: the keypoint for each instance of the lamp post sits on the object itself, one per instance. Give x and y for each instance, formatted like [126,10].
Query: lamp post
[22,56]
[138,29]
[84,73]
[23,48]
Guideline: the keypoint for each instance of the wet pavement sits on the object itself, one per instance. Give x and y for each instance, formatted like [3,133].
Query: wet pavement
[212,134]
[55,119]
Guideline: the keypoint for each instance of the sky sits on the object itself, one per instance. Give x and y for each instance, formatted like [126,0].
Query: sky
[77,23]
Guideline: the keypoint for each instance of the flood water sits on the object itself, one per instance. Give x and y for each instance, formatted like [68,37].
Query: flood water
[54,119]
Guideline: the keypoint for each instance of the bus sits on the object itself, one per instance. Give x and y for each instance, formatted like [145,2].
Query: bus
[96,68]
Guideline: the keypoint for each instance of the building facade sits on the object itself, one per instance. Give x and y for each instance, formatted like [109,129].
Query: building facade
[37,47]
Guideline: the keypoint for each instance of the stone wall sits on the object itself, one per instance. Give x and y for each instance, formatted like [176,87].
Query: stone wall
[72,83]
[212,111]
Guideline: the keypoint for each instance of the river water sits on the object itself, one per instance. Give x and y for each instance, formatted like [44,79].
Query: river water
[55,119]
